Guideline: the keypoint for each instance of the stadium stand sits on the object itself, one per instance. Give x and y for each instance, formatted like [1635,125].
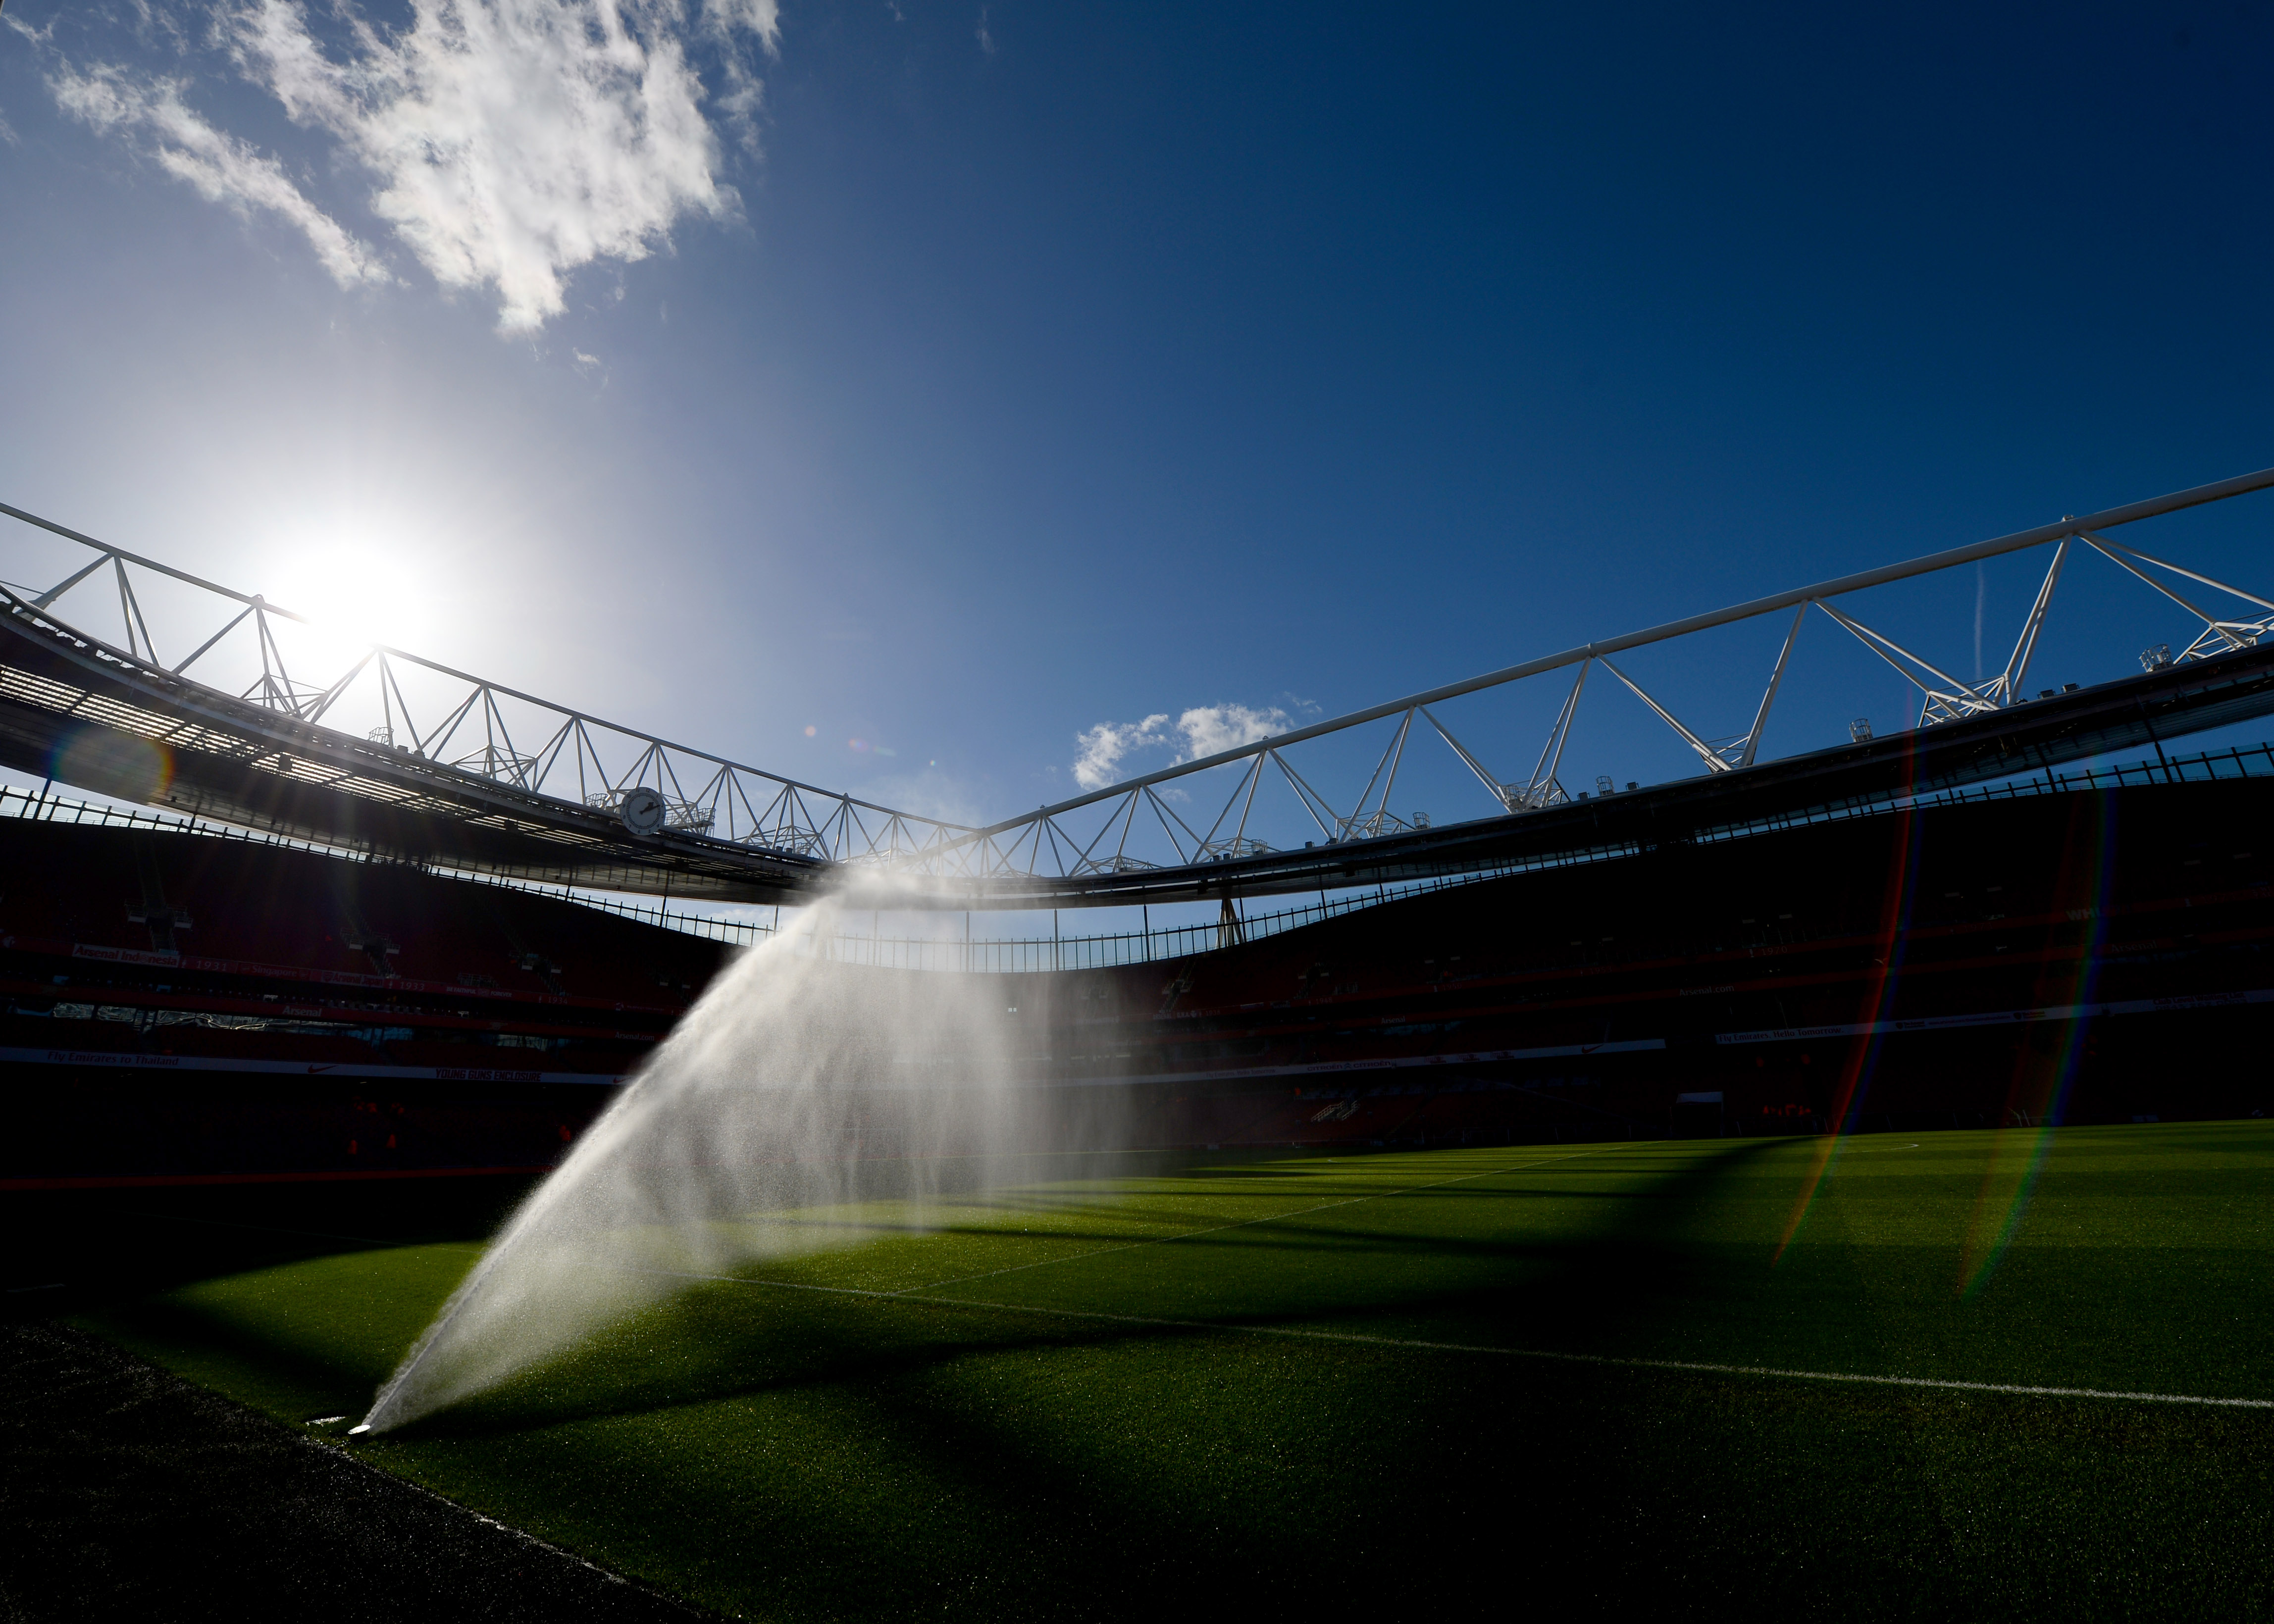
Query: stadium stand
[1951,966]
[181,1007]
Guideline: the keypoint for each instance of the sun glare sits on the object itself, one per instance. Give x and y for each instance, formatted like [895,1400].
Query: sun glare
[352,596]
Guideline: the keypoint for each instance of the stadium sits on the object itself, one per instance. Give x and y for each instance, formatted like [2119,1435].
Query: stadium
[1434,1205]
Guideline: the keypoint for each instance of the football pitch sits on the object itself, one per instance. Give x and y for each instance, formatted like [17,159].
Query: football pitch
[1954,1374]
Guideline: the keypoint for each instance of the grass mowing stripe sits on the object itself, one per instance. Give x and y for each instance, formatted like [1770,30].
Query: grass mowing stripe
[1157,1240]
[799,1456]
[1606,1360]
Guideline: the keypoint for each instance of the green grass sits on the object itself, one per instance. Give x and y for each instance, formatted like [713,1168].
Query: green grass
[981,1448]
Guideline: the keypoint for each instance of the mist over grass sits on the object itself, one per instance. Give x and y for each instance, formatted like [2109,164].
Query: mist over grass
[793,1083]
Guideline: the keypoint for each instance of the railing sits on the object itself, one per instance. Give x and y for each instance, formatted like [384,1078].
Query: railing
[999,956]
[47,807]
[986,955]
[2254,762]
[1025,955]
[1097,953]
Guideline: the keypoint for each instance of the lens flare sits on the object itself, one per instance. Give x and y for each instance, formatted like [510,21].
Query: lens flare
[112,763]
[1878,1005]
[2037,1099]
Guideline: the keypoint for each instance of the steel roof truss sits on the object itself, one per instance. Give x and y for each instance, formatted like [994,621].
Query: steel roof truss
[1706,753]
[1499,790]
[1962,700]
[1768,698]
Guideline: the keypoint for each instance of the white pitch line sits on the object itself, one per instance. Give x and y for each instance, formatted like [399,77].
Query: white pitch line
[1608,1361]
[1159,1240]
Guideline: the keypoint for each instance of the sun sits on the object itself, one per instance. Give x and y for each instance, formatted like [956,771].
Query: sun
[352,596]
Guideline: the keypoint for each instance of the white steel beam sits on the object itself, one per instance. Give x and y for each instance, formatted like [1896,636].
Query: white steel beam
[1995,547]
[1776,677]
[1712,758]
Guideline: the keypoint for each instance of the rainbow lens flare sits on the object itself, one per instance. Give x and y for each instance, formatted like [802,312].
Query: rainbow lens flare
[2044,1073]
[1878,1005]
[113,763]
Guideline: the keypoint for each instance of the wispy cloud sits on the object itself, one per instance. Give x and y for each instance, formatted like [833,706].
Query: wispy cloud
[1201,731]
[1211,729]
[223,169]
[514,140]
[510,141]
[1099,749]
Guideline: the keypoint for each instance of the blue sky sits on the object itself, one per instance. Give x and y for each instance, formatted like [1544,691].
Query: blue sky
[960,380]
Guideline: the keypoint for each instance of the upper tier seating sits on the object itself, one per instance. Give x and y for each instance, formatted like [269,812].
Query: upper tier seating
[233,904]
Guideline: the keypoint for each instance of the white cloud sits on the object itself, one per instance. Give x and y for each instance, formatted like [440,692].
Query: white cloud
[510,141]
[516,140]
[224,169]
[1102,747]
[1205,729]
[38,36]
[761,18]
[1211,729]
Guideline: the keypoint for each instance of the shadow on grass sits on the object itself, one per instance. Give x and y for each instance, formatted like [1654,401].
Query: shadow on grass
[108,1247]
[1038,1464]
[803,1453]
[74,1250]
[1633,1259]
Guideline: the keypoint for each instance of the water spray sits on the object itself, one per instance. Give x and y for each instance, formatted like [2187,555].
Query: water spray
[794,1082]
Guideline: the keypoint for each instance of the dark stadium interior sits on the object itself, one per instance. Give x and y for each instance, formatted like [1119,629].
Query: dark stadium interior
[1961,923]
[228,1058]
[184,1009]
[244,1011]
[269,1050]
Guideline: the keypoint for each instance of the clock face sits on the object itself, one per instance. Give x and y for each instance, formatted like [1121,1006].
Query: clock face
[642,811]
